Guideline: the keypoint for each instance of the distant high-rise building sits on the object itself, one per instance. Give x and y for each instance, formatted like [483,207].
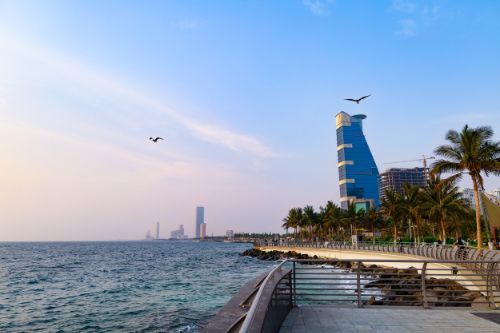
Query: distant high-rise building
[229,233]
[157,230]
[178,234]
[358,173]
[468,195]
[394,179]
[203,230]
[200,217]
[494,196]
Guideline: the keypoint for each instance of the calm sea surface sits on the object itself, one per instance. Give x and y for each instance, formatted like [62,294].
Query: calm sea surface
[159,286]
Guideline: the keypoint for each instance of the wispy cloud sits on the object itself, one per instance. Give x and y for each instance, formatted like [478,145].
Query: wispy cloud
[408,28]
[318,7]
[107,86]
[139,163]
[403,6]
[430,14]
[187,24]
[415,16]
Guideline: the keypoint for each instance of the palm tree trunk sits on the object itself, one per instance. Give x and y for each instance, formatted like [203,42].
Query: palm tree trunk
[395,233]
[478,213]
[443,230]
[416,231]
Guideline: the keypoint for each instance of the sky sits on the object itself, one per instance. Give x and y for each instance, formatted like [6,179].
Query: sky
[245,94]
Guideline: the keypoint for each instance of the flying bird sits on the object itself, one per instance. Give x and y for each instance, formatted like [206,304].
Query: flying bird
[155,140]
[357,100]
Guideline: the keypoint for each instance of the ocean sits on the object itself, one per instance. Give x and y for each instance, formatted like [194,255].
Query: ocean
[143,286]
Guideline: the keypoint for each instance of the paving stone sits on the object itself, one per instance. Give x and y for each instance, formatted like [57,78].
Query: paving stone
[346,320]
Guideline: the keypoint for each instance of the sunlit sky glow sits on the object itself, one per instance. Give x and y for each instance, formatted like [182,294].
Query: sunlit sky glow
[245,94]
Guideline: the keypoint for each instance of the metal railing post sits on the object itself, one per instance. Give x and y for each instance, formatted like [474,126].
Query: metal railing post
[294,292]
[489,285]
[424,291]
[358,284]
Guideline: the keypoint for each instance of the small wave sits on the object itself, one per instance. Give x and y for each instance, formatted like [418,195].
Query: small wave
[187,329]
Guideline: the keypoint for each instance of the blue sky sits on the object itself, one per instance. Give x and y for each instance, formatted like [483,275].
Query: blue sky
[245,92]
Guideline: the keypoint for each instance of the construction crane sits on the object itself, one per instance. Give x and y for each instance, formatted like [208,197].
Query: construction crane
[423,159]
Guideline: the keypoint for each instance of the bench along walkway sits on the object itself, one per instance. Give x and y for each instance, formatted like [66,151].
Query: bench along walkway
[384,320]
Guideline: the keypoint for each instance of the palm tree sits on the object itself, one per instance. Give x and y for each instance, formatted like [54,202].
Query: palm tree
[390,208]
[288,221]
[350,218]
[310,220]
[293,220]
[376,221]
[331,215]
[471,151]
[443,202]
[411,207]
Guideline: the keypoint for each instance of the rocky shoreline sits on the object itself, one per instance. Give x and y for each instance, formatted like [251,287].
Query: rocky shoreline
[402,287]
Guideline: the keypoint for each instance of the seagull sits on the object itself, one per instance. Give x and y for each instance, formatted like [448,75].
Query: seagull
[356,100]
[155,140]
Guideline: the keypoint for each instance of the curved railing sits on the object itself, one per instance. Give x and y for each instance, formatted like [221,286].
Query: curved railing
[468,257]
[434,251]
[271,305]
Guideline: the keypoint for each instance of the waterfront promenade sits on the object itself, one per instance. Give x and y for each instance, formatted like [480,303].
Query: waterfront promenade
[416,289]
[342,287]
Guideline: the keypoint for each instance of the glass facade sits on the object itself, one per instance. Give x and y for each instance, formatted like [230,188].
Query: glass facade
[200,218]
[358,173]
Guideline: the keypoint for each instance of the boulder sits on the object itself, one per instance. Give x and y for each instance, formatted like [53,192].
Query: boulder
[375,284]
[480,303]
[409,272]
[471,295]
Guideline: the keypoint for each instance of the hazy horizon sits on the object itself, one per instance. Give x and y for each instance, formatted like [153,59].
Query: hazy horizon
[244,93]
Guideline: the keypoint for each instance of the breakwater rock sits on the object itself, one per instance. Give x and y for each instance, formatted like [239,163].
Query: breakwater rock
[404,287]
[275,255]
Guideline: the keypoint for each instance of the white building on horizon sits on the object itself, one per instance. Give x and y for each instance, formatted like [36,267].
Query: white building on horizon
[178,234]
[148,236]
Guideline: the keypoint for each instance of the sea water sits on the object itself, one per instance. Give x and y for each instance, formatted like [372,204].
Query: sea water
[148,286]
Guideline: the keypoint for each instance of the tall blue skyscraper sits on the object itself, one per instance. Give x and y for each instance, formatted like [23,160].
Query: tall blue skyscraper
[358,173]
[200,217]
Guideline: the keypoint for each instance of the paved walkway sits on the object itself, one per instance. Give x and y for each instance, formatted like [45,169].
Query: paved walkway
[384,320]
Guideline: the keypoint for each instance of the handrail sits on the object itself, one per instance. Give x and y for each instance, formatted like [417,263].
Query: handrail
[435,251]
[400,286]
[476,260]
[267,242]
[251,313]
